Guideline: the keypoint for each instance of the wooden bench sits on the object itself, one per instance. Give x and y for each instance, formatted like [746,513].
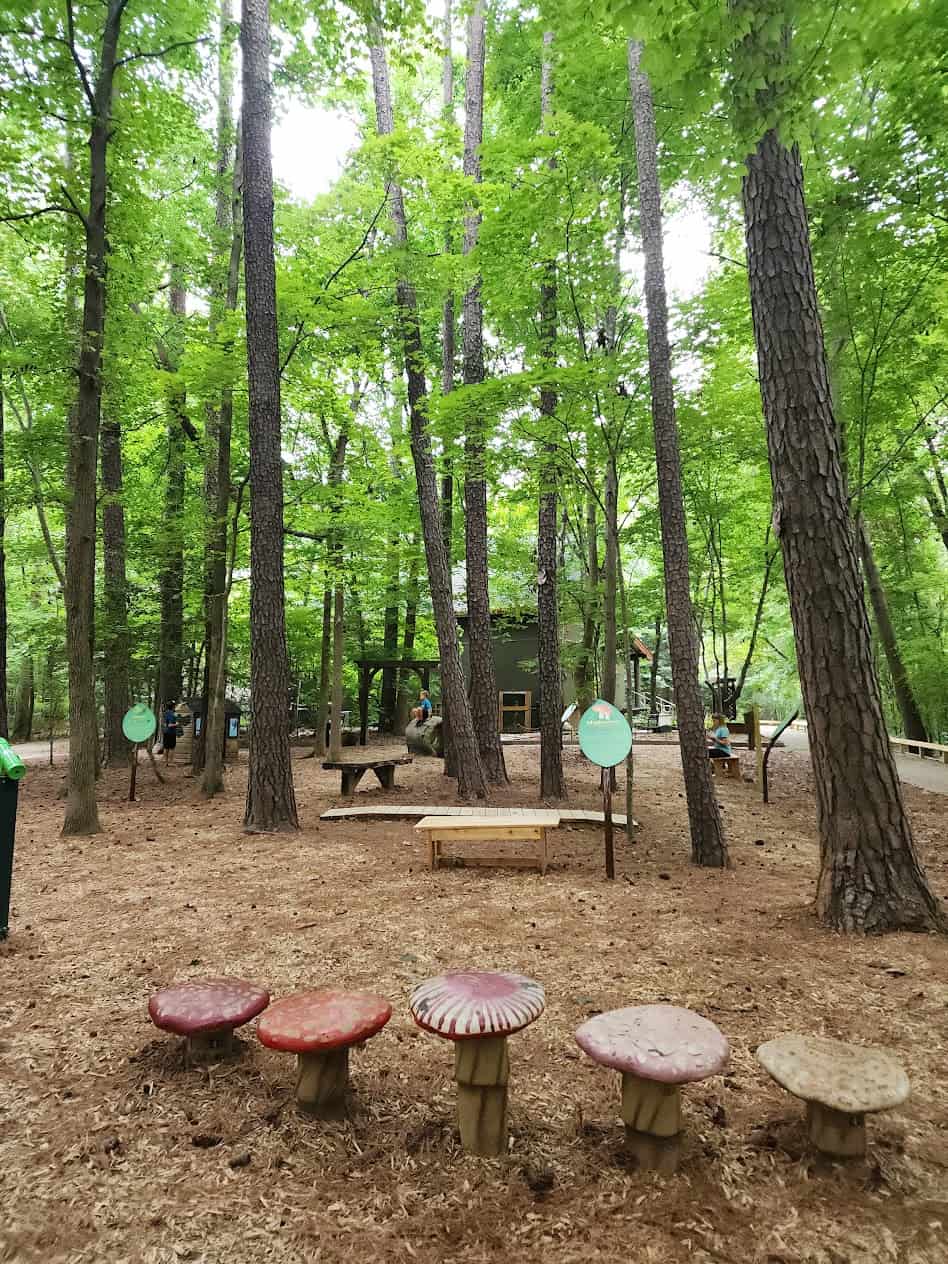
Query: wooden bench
[353,770]
[726,766]
[937,749]
[522,826]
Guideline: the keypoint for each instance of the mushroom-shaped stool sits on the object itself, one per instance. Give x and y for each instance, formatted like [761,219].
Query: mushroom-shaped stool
[840,1083]
[320,1028]
[657,1048]
[478,1010]
[206,1011]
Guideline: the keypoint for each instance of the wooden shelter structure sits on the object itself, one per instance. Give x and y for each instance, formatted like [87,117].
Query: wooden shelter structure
[369,669]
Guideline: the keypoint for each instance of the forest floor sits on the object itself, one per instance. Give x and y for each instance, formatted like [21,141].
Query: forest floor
[111,1149]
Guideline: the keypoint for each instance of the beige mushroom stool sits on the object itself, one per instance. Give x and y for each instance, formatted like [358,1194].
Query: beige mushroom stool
[840,1083]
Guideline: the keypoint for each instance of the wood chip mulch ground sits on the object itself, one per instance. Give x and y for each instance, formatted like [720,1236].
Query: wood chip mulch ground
[111,1149]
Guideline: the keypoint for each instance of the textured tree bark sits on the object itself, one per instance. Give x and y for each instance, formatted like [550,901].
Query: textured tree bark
[82,816]
[610,577]
[584,677]
[228,222]
[471,781]
[708,846]
[653,671]
[115,646]
[171,580]
[406,680]
[483,680]
[552,782]
[870,878]
[337,467]
[912,723]
[448,348]
[24,701]
[322,705]
[390,640]
[271,801]
[4,722]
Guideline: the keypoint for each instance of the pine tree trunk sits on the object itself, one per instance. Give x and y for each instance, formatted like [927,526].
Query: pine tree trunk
[870,878]
[24,701]
[653,672]
[228,224]
[708,846]
[325,659]
[447,312]
[406,681]
[584,676]
[171,580]
[115,648]
[82,816]
[4,722]
[552,781]
[271,801]
[390,641]
[610,637]
[483,680]
[471,780]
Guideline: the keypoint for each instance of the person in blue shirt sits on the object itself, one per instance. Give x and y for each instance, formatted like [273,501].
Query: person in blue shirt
[423,711]
[719,739]
[169,731]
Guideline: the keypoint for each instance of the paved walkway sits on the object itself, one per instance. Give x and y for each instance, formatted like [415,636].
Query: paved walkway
[928,774]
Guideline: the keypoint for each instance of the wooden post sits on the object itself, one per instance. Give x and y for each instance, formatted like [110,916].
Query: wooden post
[134,773]
[607,775]
[758,746]
[365,681]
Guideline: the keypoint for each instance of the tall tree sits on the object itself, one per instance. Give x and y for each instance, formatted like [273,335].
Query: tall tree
[171,580]
[448,322]
[870,876]
[115,642]
[708,846]
[271,801]
[470,772]
[4,726]
[552,781]
[480,649]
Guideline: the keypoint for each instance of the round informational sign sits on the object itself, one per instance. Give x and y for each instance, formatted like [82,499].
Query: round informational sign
[604,734]
[139,723]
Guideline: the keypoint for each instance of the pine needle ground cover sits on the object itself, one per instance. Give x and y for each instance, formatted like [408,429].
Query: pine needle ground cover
[110,1148]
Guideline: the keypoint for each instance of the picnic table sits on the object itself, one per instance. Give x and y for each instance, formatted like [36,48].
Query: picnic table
[518,825]
[353,770]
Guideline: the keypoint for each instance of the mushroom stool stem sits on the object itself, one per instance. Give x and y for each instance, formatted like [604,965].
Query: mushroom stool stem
[209,1044]
[651,1112]
[322,1083]
[481,1069]
[835,1132]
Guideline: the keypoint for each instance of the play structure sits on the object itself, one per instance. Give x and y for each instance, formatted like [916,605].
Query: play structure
[656,1048]
[369,669]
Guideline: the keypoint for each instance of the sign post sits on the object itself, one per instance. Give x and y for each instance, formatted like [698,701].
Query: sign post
[606,739]
[138,725]
[12,770]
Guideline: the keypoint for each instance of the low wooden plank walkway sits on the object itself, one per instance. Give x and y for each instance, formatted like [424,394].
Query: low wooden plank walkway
[568,816]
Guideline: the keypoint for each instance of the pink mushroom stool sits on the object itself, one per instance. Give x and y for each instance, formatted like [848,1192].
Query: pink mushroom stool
[657,1048]
[320,1028]
[478,1010]
[206,1011]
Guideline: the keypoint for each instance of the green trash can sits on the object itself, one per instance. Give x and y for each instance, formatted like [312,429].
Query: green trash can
[12,770]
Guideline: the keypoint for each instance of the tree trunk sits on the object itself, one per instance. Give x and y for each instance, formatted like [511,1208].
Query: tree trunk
[447,312]
[483,680]
[552,781]
[610,636]
[82,816]
[325,659]
[171,581]
[271,802]
[708,846]
[471,781]
[912,723]
[24,701]
[390,641]
[584,674]
[653,672]
[228,223]
[406,681]
[4,724]
[870,878]
[770,558]
[336,471]
[115,649]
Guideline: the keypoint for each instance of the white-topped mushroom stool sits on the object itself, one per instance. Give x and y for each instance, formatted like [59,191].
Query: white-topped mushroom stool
[478,1010]
[840,1083]
[657,1048]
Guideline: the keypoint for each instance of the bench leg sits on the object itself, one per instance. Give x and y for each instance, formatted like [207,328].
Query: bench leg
[350,779]
[386,777]
[432,851]
[543,853]
[734,768]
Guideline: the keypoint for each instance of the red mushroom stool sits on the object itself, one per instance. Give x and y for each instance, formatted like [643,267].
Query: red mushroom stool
[320,1028]
[206,1011]
[478,1010]
[657,1048]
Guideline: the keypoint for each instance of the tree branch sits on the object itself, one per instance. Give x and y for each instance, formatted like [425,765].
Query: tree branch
[74,53]
[160,52]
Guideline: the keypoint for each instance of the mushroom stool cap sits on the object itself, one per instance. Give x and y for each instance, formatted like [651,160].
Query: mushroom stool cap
[664,1043]
[852,1079]
[206,1005]
[316,1022]
[467,1004]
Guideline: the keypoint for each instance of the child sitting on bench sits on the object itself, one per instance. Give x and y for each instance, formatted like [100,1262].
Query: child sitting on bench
[720,739]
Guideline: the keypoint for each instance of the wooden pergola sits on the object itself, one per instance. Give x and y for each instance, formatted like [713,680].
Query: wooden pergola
[370,667]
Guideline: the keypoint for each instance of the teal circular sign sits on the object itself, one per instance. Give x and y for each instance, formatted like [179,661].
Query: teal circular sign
[139,723]
[604,734]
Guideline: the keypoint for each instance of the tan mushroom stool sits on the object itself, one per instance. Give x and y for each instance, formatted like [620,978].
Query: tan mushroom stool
[478,1010]
[840,1083]
[657,1048]
[320,1028]
[206,1011]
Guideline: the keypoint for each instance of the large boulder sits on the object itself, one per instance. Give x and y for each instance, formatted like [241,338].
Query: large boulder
[426,737]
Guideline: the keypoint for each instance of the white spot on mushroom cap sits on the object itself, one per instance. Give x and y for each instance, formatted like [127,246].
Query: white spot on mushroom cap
[665,1043]
[199,1005]
[854,1079]
[327,1018]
